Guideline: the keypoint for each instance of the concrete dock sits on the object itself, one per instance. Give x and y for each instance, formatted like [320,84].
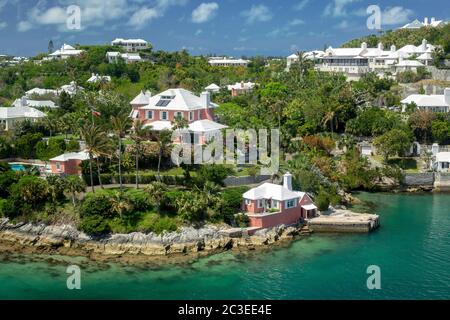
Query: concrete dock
[344,221]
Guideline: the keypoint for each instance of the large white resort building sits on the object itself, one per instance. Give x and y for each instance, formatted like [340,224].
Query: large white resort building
[227,62]
[355,62]
[130,45]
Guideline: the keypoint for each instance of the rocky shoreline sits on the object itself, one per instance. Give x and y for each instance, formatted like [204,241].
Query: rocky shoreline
[187,243]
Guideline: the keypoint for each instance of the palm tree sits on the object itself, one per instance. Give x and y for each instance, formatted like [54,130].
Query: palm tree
[139,134]
[179,124]
[156,191]
[120,124]
[120,204]
[74,185]
[164,141]
[97,144]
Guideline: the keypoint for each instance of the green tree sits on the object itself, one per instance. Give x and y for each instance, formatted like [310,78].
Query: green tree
[74,185]
[120,204]
[139,134]
[31,189]
[393,143]
[120,124]
[440,130]
[157,193]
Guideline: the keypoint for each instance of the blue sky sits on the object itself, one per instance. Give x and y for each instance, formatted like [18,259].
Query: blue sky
[232,27]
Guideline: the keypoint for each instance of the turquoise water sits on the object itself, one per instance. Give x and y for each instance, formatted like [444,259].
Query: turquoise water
[17,167]
[412,248]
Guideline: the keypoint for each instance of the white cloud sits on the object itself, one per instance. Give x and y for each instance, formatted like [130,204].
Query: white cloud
[342,25]
[143,16]
[296,22]
[3,25]
[205,12]
[24,26]
[198,32]
[396,15]
[258,13]
[301,5]
[337,8]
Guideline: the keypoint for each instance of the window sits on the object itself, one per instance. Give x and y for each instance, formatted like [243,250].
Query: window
[290,203]
[248,202]
[162,103]
[191,116]
[58,166]
[179,114]
[275,204]
[199,114]
[164,115]
[150,114]
[260,203]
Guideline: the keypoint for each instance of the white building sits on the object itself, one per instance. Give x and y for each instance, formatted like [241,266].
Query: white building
[310,55]
[113,57]
[40,92]
[435,103]
[96,78]
[130,45]
[25,102]
[71,89]
[227,62]
[65,52]
[214,88]
[416,24]
[241,88]
[9,117]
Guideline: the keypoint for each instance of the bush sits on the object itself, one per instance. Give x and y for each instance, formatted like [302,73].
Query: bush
[212,173]
[140,200]
[157,224]
[322,201]
[94,225]
[7,179]
[72,146]
[232,200]
[242,220]
[96,205]
[31,189]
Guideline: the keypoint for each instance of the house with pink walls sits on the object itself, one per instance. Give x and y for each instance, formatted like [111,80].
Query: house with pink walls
[68,163]
[270,205]
[160,111]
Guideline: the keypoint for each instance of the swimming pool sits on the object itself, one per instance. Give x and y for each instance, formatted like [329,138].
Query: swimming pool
[17,167]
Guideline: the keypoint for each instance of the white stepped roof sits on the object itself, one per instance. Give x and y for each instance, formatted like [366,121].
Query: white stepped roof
[206,126]
[427,56]
[82,155]
[241,86]
[424,100]
[159,125]
[136,41]
[176,99]
[34,103]
[40,92]
[20,112]
[272,191]
[409,63]
[213,86]
[344,52]
[97,78]
[143,98]
[443,157]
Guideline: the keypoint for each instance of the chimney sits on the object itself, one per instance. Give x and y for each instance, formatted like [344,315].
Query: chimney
[206,99]
[435,149]
[424,45]
[364,45]
[393,48]
[380,46]
[23,101]
[447,96]
[287,181]
[242,84]
[433,20]
[425,21]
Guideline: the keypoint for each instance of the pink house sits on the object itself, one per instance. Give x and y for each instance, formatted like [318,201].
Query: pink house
[68,163]
[270,205]
[161,110]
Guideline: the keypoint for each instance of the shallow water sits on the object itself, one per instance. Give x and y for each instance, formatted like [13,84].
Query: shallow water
[411,248]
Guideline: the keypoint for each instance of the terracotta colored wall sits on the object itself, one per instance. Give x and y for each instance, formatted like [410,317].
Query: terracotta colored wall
[287,217]
[67,167]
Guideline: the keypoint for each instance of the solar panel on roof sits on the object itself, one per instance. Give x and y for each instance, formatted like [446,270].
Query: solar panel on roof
[162,103]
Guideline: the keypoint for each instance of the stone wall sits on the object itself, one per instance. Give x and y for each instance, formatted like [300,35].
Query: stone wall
[440,74]
[442,181]
[419,179]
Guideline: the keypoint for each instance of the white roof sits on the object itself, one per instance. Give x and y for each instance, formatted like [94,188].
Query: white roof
[309,207]
[34,103]
[272,191]
[241,86]
[206,126]
[66,50]
[82,155]
[20,112]
[71,88]
[409,63]
[344,52]
[136,41]
[293,56]
[427,56]
[125,56]
[97,78]
[443,157]
[228,61]
[159,125]
[423,100]
[41,92]
[213,86]
[177,99]
[143,98]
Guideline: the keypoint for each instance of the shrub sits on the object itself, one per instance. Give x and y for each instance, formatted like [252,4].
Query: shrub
[157,224]
[232,200]
[7,179]
[96,205]
[322,201]
[94,225]
[72,146]
[213,173]
[31,189]
[242,220]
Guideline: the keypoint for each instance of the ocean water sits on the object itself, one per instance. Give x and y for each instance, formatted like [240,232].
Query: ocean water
[412,250]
